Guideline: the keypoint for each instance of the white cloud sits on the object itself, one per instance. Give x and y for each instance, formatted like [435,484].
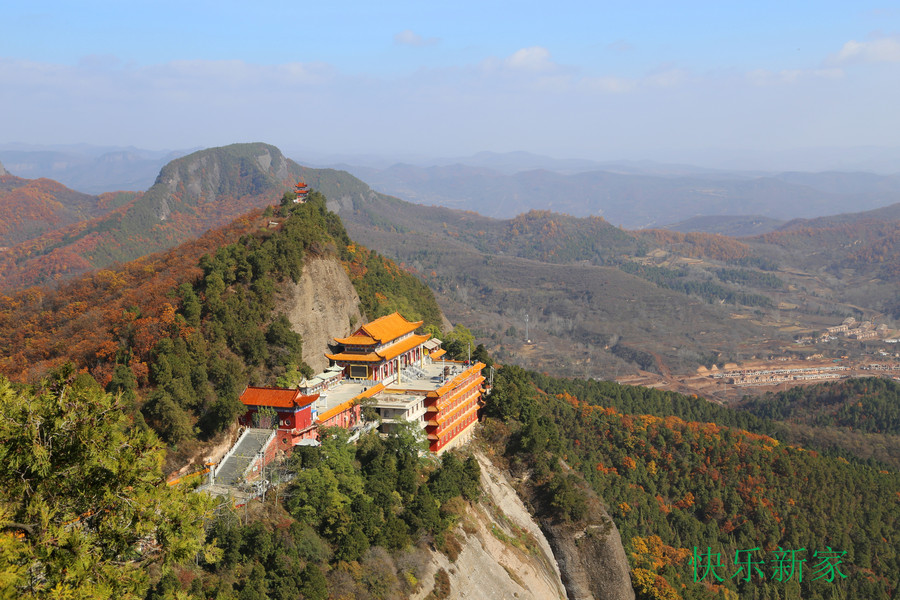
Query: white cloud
[465,107]
[535,58]
[763,77]
[878,50]
[667,77]
[408,37]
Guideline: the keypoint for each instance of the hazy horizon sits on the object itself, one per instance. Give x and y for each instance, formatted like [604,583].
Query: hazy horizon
[696,83]
[882,161]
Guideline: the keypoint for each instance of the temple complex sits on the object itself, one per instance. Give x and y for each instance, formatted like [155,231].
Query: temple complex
[402,375]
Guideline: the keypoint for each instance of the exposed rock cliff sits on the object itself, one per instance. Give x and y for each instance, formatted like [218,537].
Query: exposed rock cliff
[322,305]
[591,559]
[242,174]
[590,554]
[587,555]
[504,554]
[2,170]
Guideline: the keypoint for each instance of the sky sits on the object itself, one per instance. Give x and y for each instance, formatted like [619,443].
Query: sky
[694,81]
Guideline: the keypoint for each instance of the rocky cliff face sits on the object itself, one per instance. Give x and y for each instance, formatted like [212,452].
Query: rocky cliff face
[591,559]
[321,306]
[590,554]
[2,170]
[242,173]
[504,554]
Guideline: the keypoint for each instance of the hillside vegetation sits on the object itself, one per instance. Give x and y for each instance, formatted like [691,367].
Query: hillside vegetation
[679,489]
[630,301]
[31,207]
[869,405]
[556,268]
[180,334]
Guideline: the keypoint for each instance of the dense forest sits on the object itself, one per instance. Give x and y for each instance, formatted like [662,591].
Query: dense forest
[352,523]
[870,405]
[85,511]
[688,486]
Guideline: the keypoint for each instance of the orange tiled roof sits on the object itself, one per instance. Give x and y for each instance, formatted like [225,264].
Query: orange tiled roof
[276,397]
[351,357]
[382,329]
[387,354]
[404,346]
[357,340]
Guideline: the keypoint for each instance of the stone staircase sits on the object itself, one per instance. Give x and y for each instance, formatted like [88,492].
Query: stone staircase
[248,447]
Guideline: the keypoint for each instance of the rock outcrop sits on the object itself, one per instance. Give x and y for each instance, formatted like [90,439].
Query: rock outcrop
[2,170]
[504,554]
[321,305]
[591,559]
[590,554]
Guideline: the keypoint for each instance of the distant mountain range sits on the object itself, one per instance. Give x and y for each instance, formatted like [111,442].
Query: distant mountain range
[630,194]
[636,201]
[88,169]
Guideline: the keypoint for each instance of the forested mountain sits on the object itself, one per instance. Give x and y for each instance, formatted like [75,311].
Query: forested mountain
[696,496]
[176,336]
[31,207]
[181,333]
[816,275]
[191,195]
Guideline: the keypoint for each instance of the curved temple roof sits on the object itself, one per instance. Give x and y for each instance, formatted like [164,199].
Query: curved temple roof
[380,331]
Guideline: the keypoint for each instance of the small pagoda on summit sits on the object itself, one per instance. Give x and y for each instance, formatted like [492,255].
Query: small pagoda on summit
[302,191]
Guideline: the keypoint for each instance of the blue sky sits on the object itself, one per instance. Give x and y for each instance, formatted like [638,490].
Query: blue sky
[607,80]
